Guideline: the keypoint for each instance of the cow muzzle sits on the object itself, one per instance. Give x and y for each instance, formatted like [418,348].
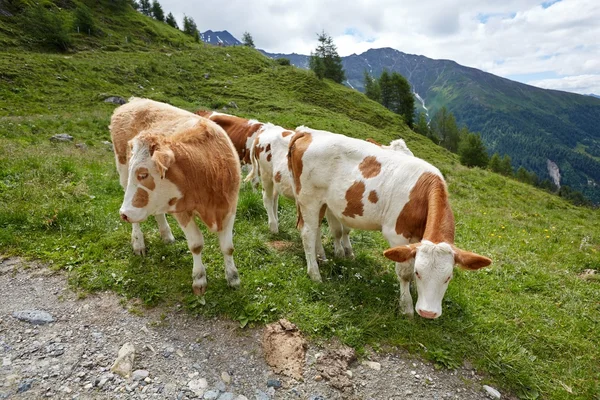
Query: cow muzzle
[427,314]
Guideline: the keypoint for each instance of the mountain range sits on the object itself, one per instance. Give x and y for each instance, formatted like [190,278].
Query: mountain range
[219,38]
[552,133]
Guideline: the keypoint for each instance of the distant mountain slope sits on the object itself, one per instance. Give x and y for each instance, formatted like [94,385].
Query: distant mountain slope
[530,124]
[219,38]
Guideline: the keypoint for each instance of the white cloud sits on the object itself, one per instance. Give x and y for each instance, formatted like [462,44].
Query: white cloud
[510,37]
[584,84]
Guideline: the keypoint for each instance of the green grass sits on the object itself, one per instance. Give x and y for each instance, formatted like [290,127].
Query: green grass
[528,322]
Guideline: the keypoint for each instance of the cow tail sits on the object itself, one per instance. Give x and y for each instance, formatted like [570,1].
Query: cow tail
[255,170]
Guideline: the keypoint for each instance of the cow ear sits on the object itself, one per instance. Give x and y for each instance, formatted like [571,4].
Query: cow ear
[401,253]
[163,158]
[470,261]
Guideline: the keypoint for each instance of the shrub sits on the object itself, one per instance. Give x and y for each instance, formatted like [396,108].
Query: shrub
[283,61]
[47,27]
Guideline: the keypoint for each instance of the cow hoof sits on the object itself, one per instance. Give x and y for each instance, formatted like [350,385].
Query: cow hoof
[408,310]
[168,238]
[315,277]
[339,253]
[198,289]
[139,251]
[349,254]
[234,283]
[274,228]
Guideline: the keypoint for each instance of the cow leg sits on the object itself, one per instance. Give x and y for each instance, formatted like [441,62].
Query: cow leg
[137,240]
[336,229]
[270,202]
[346,242]
[195,242]
[226,243]
[164,228]
[404,271]
[310,233]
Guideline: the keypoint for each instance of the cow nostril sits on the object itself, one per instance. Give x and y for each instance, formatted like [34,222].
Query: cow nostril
[123,217]
[427,314]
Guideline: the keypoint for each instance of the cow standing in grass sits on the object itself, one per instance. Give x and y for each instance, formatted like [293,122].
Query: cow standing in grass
[172,161]
[367,187]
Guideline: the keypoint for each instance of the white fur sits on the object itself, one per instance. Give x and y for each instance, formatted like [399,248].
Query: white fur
[400,146]
[330,167]
[434,265]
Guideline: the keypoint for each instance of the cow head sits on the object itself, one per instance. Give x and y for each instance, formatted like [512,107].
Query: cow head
[433,265]
[148,192]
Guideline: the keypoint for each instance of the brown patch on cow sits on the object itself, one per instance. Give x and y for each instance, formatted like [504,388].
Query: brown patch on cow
[354,195]
[373,198]
[148,181]
[370,167]
[183,218]
[229,251]
[268,148]
[284,349]
[206,171]
[427,215]
[140,199]
[278,177]
[239,130]
[374,142]
[257,150]
[269,156]
[300,219]
[197,249]
[172,201]
[286,133]
[298,146]
[122,158]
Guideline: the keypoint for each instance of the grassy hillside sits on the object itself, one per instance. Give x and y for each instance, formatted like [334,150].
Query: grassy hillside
[529,322]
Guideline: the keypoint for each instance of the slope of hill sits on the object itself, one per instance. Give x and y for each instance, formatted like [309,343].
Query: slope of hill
[530,124]
[530,321]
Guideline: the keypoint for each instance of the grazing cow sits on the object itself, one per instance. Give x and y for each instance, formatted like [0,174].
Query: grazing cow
[367,187]
[173,161]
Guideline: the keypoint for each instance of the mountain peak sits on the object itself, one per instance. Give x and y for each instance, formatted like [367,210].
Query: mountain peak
[219,38]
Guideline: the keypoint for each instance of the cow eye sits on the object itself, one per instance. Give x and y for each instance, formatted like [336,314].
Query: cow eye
[141,177]
[448,279]
[418,275]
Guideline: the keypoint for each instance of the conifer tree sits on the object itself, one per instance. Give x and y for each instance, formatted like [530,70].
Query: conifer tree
[422,127]
[444,127]
[190,28]
[402,100]
[472,151]
[157,11]
[385,86]
[506,166]
[495,163]
[247,40]
[325,61]
[145,7]
[171,21]
[372,89]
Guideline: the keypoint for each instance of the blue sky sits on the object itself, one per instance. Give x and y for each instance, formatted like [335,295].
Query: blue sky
[551,44]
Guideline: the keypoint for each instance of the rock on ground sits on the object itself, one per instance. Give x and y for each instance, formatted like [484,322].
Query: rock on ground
[71,357]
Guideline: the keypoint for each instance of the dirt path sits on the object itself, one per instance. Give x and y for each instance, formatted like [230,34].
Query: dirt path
[177,356]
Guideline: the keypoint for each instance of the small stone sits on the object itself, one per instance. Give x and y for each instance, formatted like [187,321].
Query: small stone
[491,392]
[349,373]
[88,386]
[408,392]
[115,100]
[373,365]
[260,395]
[62,137]
[413,372]
[179,353]
[318,378]
[227,396]
[6,361]
[241,397]
[225,377]
[274,383]
[147,380]
[140,374]
[24,386]
[81,146]
[233,105]
[211,395]
[36,317]
[66,389]
[317,397]
[206,76]
[123,365]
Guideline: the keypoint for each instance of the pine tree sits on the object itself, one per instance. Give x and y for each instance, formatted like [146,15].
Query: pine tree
[372,89]
[495,163]
[171,21]
[247,40]
[472,151]
[190,28]
[445,128]
[422,127]
[402,101]
[145,7]
[157,11]
[325,61]
[506,166]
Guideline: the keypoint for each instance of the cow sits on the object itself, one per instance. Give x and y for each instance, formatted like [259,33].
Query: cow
[367,187]
[176,162]
[395,145]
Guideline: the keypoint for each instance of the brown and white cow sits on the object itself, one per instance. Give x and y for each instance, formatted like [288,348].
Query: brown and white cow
[173,161]
[367,187]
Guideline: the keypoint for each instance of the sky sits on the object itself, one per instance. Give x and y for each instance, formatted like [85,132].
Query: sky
[553,44]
